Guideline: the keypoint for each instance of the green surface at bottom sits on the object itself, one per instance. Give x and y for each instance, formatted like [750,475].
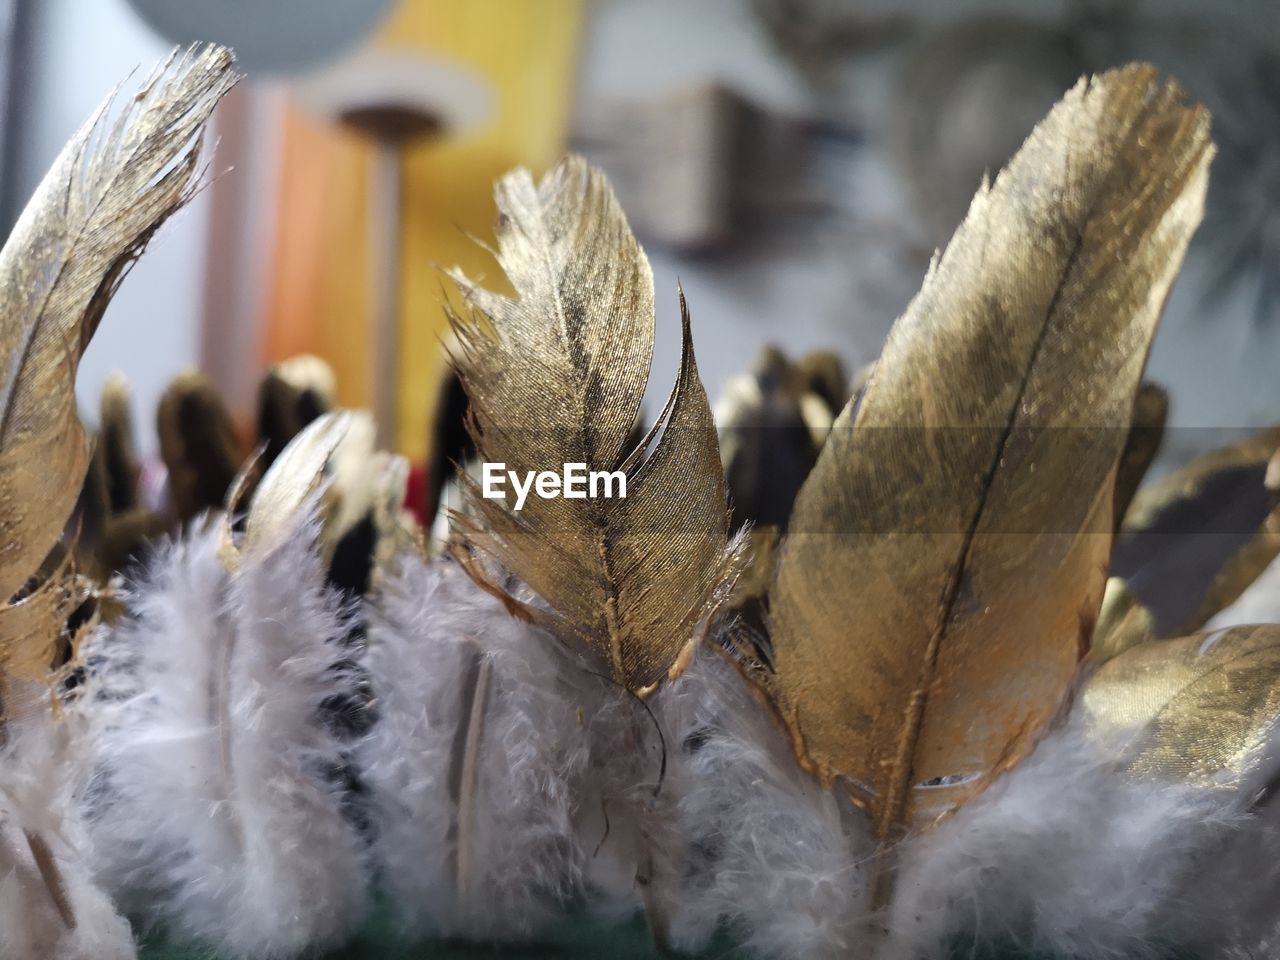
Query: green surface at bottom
[580,939]
[379,940]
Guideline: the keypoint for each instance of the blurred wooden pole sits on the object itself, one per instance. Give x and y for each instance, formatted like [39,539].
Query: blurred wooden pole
[385,175]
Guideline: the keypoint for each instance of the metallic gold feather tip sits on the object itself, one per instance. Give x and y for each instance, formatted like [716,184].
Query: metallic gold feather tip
[556,376]
[112,186]
[947,555]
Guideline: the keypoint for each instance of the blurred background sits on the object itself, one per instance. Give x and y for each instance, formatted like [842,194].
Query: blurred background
[794,163]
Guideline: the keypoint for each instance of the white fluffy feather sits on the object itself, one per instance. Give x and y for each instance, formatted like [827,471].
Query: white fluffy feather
[430,627]
[218,812]
[770,855]
[1064,856]
[41,772]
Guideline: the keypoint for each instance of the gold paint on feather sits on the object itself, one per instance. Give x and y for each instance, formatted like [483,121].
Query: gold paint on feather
[1123,622]
[112,186]
[331,462]
[556,376]
[948,554]
[1199,709]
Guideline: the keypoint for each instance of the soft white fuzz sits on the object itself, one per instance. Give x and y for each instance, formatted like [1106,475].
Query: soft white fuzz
[769,854]
[511,863]
[1064,856]
[218,811]
[41,771]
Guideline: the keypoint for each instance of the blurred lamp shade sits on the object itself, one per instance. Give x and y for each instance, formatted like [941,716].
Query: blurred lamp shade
[268,36]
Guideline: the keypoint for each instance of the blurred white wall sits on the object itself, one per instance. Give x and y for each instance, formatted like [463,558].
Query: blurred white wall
[842,287]
[78,51]
[826,286]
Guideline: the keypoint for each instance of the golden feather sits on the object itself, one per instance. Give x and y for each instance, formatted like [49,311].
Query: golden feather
[1198,709]
[1123,622]
[556,376]
[948,553]
[332,459]
[1191,543]
[112,186]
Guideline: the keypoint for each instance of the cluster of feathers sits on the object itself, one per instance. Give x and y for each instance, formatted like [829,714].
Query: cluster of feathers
[238,711]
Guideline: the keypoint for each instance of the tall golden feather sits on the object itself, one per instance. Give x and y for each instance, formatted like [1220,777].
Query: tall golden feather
[949,551]
[107,193]
[1199,709]
[556,376]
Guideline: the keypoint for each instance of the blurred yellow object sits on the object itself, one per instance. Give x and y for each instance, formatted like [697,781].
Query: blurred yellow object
[321,296]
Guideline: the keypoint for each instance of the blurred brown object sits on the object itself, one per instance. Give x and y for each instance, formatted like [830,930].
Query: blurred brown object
[1191,543]
[292,394]
[690,165]
[773,422]
[198,445]
[1150,412]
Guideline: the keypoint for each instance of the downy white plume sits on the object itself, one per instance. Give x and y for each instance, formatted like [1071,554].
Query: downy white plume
[475,763]
[1065,856]
[769,854]
[50,908]
[219,807]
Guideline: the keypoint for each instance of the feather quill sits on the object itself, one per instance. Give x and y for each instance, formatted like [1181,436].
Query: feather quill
[948,553]
[50,905]
[556,376]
